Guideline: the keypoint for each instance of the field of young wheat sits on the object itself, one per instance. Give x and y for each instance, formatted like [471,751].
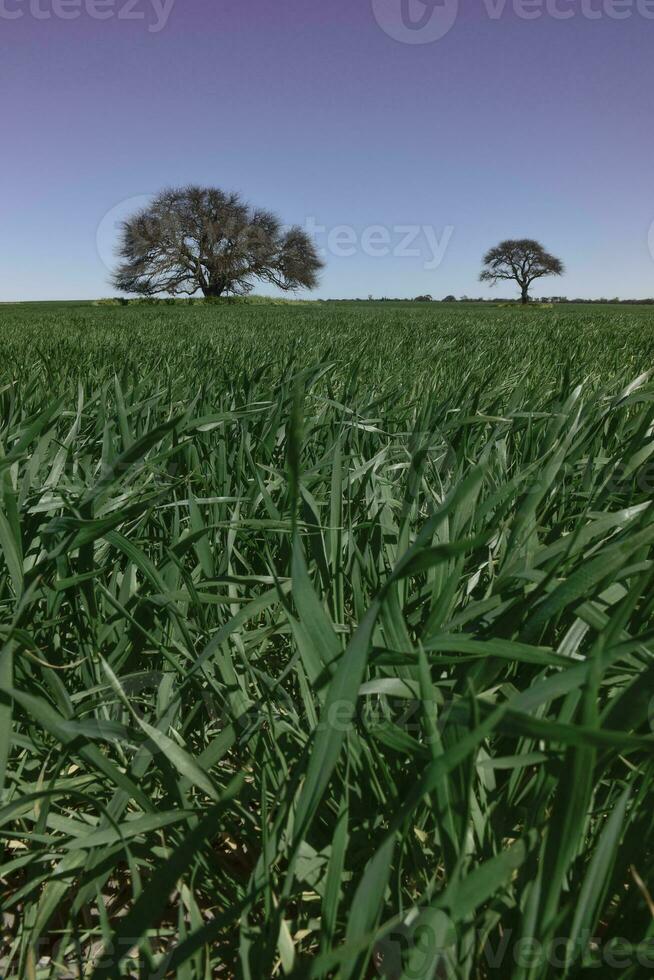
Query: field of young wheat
[326,642]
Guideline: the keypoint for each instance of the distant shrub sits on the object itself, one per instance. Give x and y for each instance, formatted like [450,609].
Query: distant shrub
[215,300]
[253,300]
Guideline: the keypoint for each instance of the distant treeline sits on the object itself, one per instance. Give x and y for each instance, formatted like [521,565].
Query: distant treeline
[252,300]
[499,300]
[285,301]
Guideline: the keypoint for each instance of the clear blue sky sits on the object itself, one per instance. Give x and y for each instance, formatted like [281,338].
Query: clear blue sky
[503,127]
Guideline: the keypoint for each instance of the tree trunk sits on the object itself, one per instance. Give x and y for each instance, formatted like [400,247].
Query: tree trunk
[525,295]
[214,289]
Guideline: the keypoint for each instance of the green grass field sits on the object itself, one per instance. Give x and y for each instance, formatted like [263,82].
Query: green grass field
[327,642]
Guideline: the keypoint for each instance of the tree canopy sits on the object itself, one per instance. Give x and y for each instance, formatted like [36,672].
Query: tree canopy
[522,260]
[195,239]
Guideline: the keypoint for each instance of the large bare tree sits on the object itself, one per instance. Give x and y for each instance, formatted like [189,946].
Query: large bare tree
[522,260]
[194,239]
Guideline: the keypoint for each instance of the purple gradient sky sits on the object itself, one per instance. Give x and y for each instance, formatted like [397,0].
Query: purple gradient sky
[504,127]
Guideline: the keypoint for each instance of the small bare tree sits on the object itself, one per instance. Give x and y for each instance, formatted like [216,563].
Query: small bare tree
[522,260]
[202,239]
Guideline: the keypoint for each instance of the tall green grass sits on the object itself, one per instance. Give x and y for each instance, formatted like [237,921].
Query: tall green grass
[326,644]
